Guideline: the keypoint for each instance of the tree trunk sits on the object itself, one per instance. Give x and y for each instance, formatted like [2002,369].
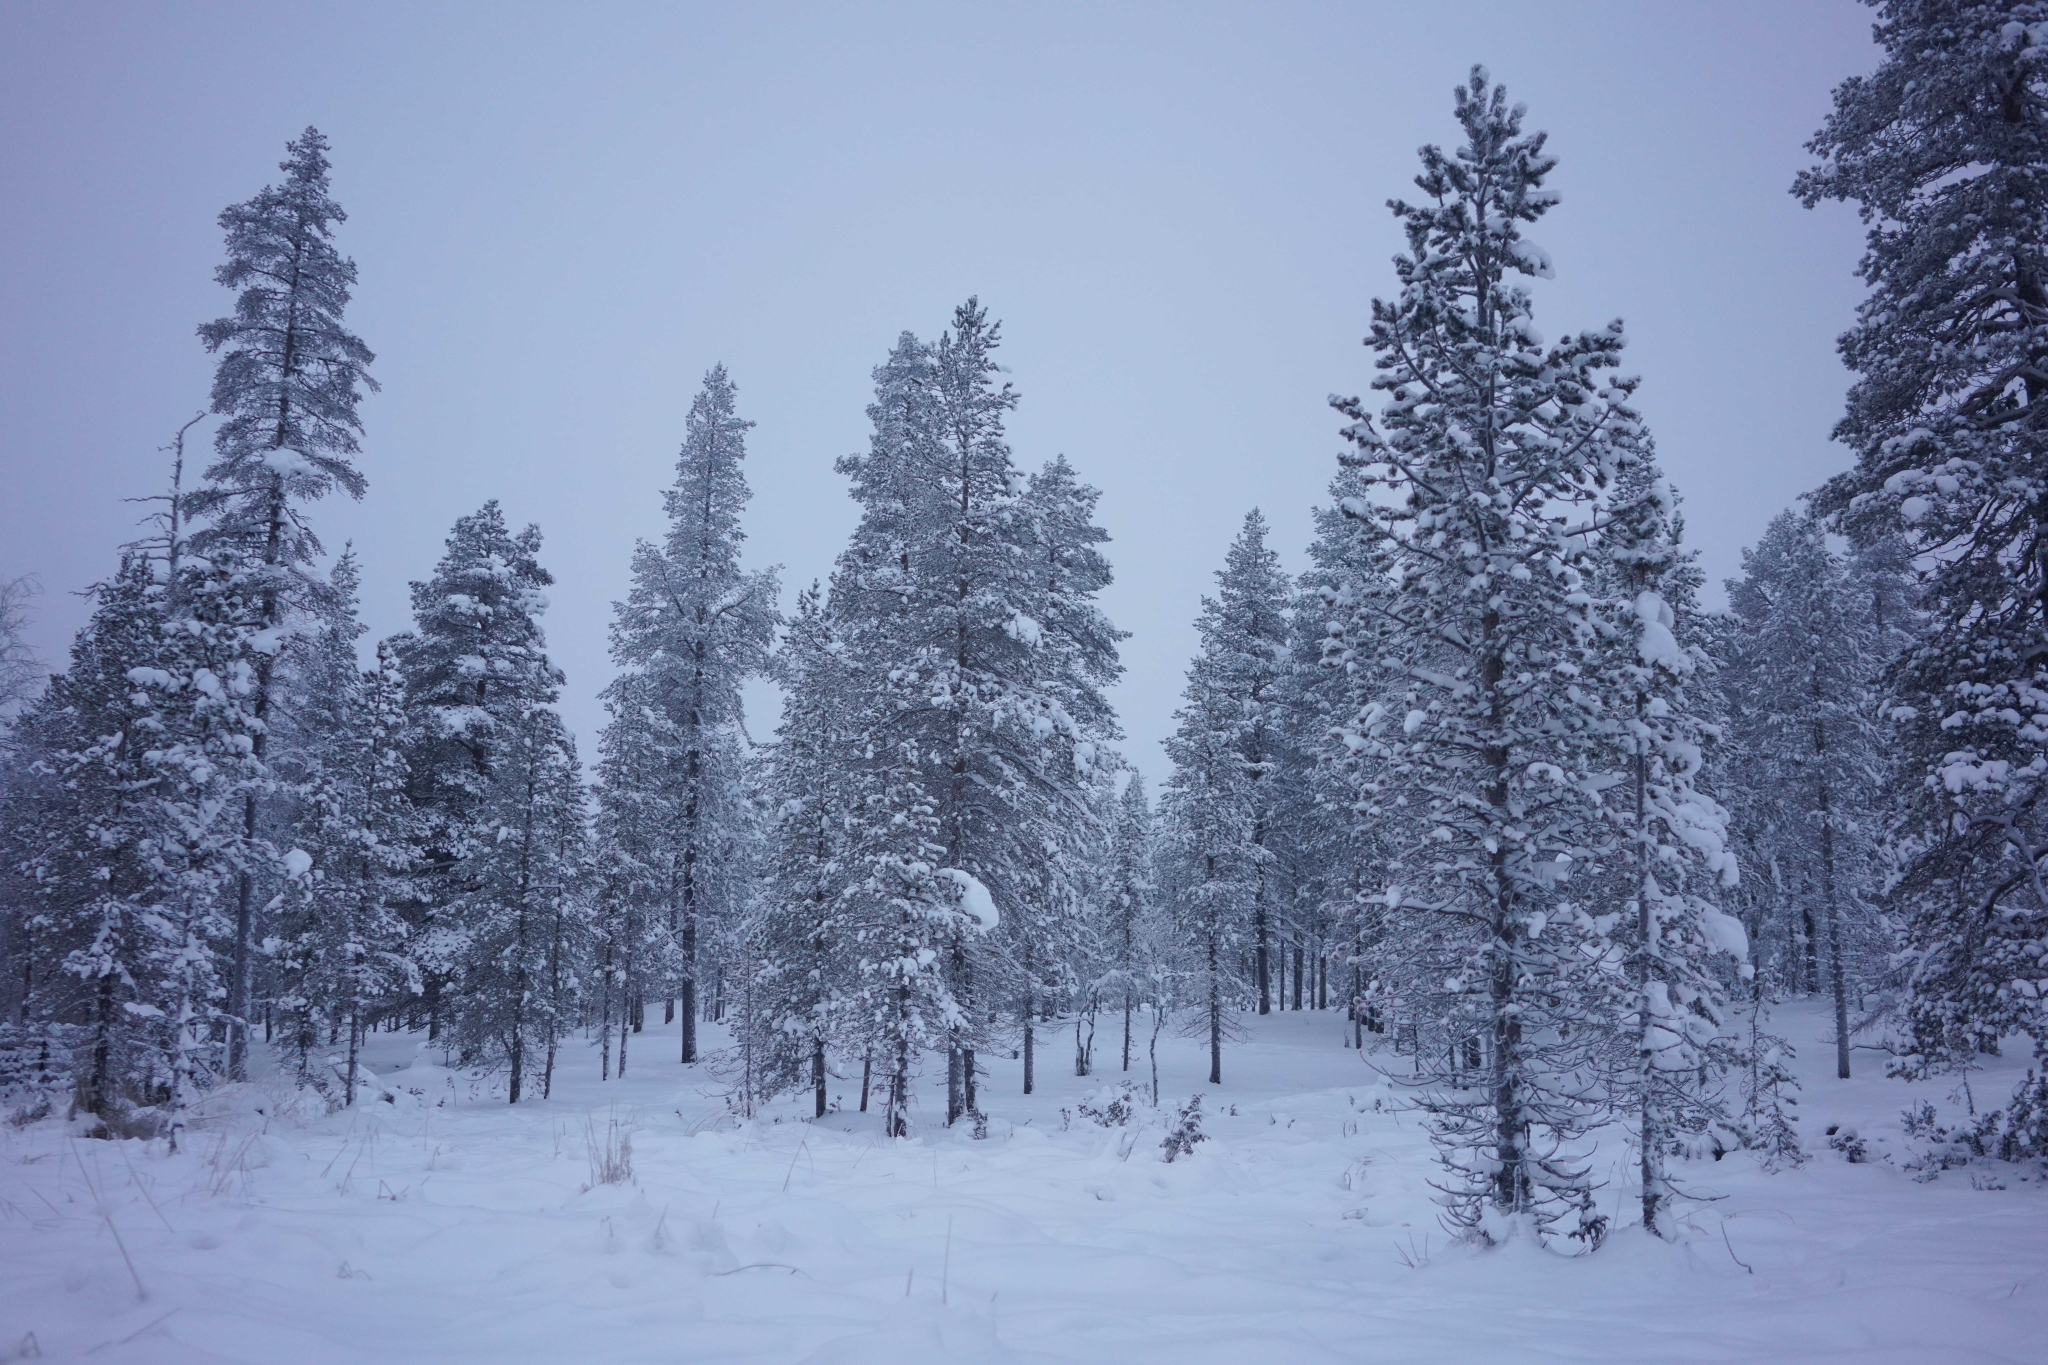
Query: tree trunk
[1836,980]
[1216,1016]
[867,1072]
[1158,1019]
[1260,966]
[897,1121]
[1030,1010]
[1510,1125]
[1650,1113]
[818,1076]
[688,1006]
[355,1034]
[1127,1026]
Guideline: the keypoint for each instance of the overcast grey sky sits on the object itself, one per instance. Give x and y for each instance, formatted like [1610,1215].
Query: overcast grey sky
[563,214]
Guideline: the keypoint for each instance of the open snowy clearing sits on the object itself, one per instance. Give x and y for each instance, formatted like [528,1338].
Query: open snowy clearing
[452,1228]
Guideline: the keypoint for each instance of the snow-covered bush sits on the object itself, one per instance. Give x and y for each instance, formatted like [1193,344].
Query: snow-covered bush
[1186,1131]
[1111,1106]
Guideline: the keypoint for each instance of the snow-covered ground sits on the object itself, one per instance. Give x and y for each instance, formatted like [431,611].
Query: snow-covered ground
[453,1228]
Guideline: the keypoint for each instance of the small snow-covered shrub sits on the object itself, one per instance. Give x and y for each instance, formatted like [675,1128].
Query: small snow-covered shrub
[1186,1131]
[610,1152]
[1845,1140]
[32,1110]
[1111,1108]
[2018,1132]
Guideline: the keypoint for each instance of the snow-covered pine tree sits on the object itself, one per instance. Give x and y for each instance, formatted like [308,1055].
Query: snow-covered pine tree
[93,865]
[807,939]
[476,668]
[635,951]
[1244,661]
[1681,950]
[286,389]
[206,762]
[522,922]
[693,628]
[1230,741]
[1055,943]
[1941,149]
[967,600]
[909,917]
[1207,861]
[1127,900]
[147,736]
[343,952]
[1801,679]
[1480,477]
[1358,821]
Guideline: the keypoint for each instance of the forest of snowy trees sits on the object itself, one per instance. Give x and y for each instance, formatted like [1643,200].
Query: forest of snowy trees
[1491,779]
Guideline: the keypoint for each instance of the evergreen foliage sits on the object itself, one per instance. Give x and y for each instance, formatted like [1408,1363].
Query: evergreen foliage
[1942,150]
[1481,477]
[693,628]
[1803,658]
[286,388]
[494,780]
[966,603]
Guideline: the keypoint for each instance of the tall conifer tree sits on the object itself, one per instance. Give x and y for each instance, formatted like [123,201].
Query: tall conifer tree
[476,671]
[967,600]
[694,627]
[1479,477]
[286,388]
[1944,150]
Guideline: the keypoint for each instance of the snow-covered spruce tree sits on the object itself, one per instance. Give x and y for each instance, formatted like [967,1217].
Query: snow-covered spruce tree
[147,735]
[636,950]
[1052,945]
[1207,861]
[89,863]
[966,597]
[476,669]
[1356,822]
[806,938]
[1681,950]
[693,628]
[1244,661]
[523,923]
[342,950]
[1944,149]
[286,389]
[1087,959]
[1320,863]
[1127,899]
[1801,676]
[1480,476]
